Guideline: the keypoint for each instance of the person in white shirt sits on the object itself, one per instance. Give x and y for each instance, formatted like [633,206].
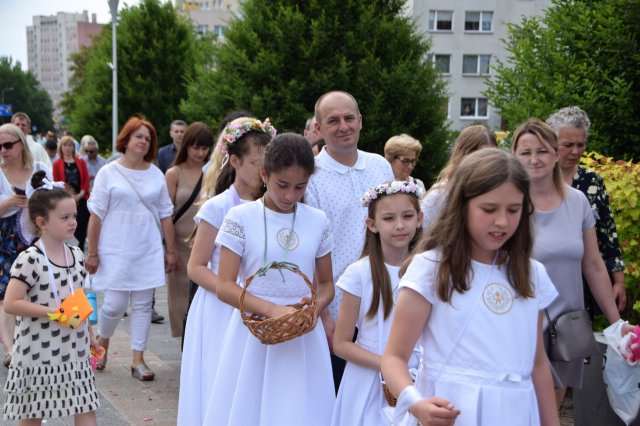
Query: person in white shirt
[38,153]
[343,173]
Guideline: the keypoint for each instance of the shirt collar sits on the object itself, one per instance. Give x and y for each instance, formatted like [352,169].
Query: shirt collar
[324,159]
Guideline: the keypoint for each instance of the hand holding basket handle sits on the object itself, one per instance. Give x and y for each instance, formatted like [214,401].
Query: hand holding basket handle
[290,321]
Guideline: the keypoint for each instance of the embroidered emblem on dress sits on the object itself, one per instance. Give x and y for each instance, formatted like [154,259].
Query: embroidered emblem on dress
[498,298]
[288,239]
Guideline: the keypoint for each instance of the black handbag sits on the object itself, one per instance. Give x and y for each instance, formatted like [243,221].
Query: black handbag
[570,336]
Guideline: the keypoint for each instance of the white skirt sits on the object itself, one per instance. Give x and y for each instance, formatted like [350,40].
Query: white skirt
[360,399]
[271,385]
[207,324]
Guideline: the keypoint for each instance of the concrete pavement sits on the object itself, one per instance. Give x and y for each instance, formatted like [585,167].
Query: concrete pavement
[125,400]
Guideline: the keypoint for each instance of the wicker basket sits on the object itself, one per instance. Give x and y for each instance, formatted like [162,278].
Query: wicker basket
[271,331]
[391,400]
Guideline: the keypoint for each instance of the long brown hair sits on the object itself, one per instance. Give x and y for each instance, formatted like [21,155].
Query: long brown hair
[477,174]
[196,134]
[380,279]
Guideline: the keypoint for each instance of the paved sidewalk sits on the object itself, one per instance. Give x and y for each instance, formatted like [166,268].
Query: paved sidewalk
[125,400]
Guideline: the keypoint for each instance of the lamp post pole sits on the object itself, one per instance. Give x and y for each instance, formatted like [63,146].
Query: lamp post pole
[113,5]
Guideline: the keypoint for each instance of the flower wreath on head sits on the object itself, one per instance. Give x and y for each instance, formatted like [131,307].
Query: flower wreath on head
[233,132]
[390,188]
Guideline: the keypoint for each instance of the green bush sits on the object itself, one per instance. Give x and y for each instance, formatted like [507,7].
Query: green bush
[622,179]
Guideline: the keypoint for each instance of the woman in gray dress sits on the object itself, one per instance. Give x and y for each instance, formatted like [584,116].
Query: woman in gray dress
[565,238]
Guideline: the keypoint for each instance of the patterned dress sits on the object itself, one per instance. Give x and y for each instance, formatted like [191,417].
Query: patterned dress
[592,185]
[50,373]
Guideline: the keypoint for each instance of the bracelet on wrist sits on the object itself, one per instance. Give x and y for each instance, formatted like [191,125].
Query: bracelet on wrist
[92,255]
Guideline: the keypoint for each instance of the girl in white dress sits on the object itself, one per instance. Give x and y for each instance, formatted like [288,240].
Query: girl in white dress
[208,316]
[474,298]
[290,382]
[394,224]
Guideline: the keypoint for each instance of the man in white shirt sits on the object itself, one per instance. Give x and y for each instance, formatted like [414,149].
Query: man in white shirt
[343,173]
[38,152]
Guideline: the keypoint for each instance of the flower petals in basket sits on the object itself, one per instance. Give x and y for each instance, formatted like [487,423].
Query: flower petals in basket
[271,331]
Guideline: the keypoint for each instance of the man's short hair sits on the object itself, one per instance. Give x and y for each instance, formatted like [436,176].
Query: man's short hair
[178,123]
[22,115]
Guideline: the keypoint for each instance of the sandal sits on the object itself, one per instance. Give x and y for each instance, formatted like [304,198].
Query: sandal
[7,360]
[101,364]
[142,372]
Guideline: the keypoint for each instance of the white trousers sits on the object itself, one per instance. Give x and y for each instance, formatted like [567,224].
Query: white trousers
[115,305]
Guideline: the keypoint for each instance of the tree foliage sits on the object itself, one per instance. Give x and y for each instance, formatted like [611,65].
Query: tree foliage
[27,94]
[581,52]
[157,54]
[280,56]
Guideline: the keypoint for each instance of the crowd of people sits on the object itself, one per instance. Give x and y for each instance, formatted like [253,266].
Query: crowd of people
[310,281]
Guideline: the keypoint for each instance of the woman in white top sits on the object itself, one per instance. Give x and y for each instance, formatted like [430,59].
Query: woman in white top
[16,168]
[130,212]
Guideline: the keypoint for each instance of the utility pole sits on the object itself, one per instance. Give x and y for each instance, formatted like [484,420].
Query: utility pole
[113,5]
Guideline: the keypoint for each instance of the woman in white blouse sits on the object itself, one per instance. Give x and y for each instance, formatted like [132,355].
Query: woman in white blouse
[130,212]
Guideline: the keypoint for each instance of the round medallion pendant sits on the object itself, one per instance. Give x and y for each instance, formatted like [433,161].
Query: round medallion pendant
[498,298]
[288,239]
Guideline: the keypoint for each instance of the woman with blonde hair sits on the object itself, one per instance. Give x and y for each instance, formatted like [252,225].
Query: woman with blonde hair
[564,239]
[73,171]
[402,152]
[16,168]
[471,139]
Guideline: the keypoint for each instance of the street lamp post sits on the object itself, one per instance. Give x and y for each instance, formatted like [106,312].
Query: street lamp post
[113,6]
[6,89]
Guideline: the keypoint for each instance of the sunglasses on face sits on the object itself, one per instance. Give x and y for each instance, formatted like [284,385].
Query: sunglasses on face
[90,151]
[407,161]
[8,145]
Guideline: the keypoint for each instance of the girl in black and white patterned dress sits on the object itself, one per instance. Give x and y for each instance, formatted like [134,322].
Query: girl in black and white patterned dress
[50,374]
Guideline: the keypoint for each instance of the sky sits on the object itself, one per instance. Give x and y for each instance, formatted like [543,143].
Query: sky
[17,15]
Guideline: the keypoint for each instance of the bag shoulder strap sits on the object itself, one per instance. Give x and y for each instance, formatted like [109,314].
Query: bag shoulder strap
[144,203]
[189,202]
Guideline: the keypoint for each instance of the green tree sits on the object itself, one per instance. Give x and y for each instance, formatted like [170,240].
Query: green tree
[581,52]
[282,55]
[157,54]
[27,94]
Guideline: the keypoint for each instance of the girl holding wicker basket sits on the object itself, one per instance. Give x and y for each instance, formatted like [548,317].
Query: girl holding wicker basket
[370,285]
[274,366]
[242,144]
[474,298]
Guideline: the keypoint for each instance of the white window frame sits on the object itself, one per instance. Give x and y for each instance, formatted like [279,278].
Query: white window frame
[433,58]
[478,70]
[481,13]
[433,20]
[475,103]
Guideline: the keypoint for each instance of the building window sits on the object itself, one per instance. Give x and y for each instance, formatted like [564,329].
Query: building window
[474,108]
[442,63]
[475,64]
[202,28]
[478,21]
[219,30]
[440,20]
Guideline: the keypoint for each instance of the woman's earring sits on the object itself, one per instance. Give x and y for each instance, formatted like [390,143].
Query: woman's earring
[264,184]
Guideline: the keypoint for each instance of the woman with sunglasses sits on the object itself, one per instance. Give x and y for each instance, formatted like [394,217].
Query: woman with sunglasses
[16,168]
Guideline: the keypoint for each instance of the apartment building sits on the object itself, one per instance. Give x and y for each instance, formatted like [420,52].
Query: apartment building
[466,41]
[50,42]
[209,16]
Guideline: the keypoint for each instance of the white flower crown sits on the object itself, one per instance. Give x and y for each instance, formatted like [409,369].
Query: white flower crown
[390,188]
